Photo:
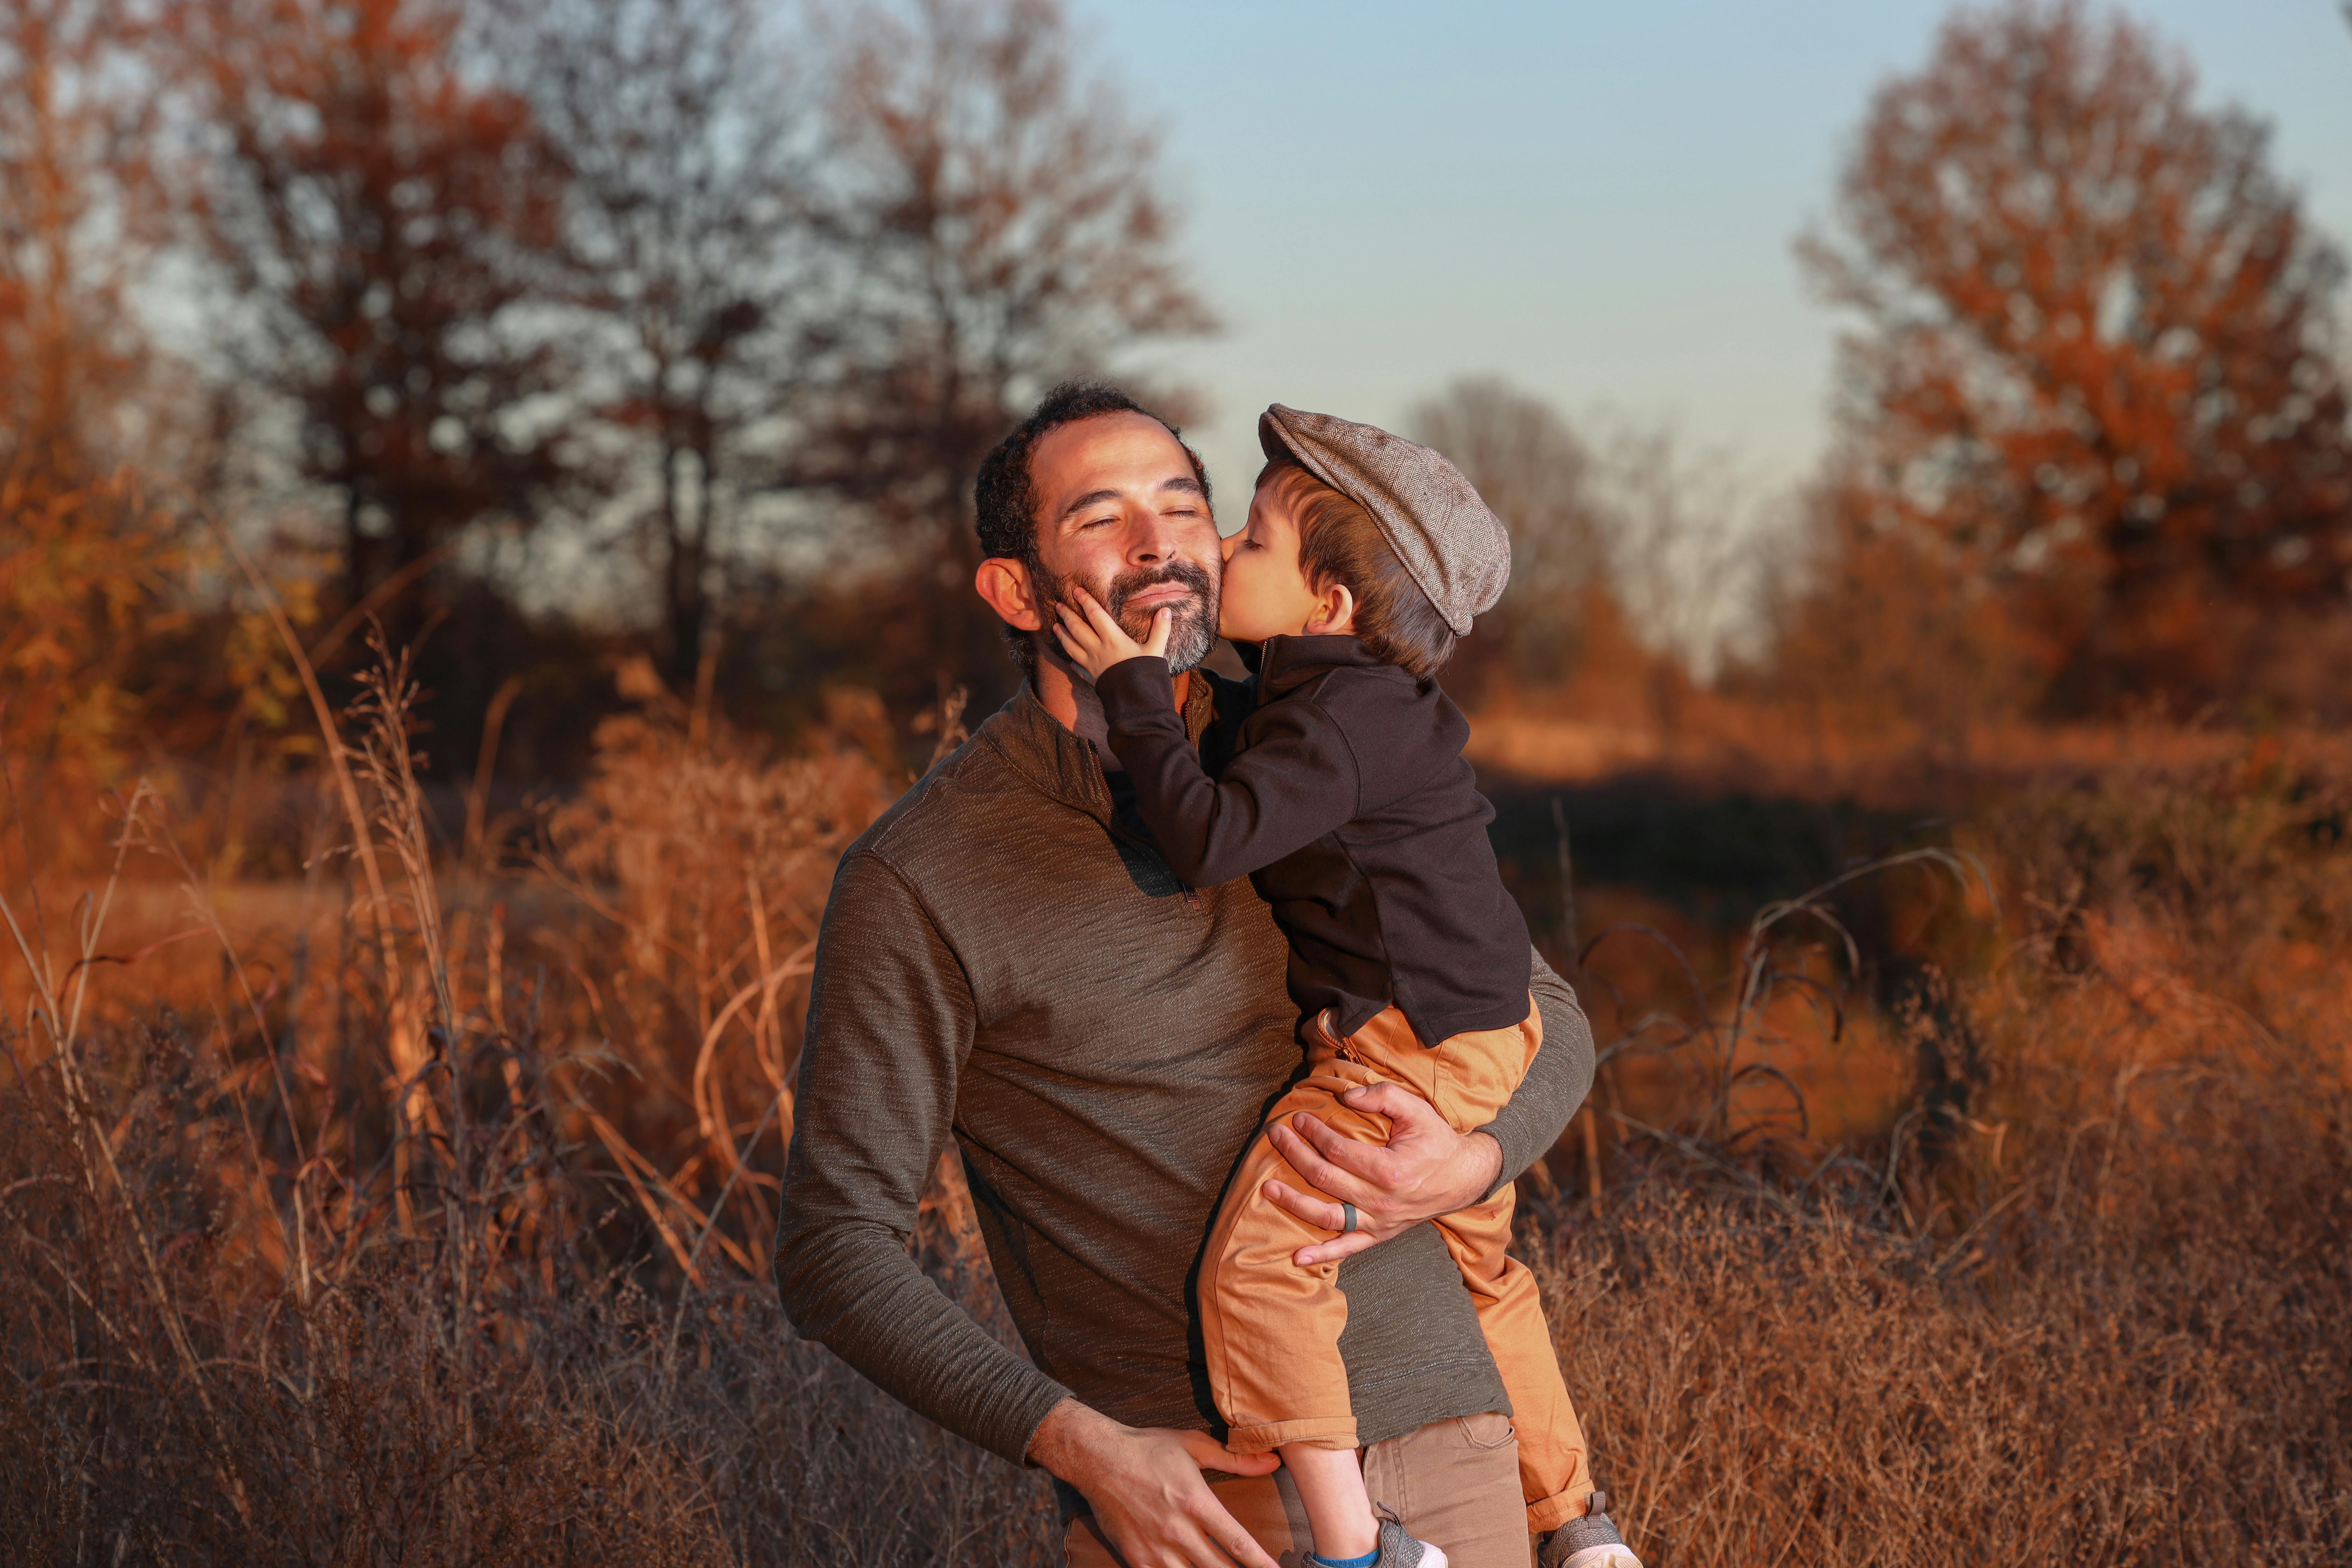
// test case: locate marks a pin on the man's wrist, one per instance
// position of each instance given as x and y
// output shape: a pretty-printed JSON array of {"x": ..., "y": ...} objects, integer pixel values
[
  {"x": 1065, "y": 1439},
  {"x": 1485, "y": 1156}
]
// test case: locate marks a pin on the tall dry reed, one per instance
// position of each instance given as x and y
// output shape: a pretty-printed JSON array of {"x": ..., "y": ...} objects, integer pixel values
[
  {"x": 434, "y": 1228},
  {"x": 2086, "y": 1301}
]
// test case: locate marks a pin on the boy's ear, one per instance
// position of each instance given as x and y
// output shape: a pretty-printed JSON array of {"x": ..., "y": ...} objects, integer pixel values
[
  {"x": 1335, "y": 612},
  {"x": 1004, "y": 584}
]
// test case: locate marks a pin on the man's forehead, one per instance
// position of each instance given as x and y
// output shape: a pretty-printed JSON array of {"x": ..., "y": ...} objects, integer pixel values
[{"x": 1120, "y": 451}]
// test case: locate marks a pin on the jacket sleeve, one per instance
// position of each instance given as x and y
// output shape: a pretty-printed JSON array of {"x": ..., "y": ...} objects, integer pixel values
[
  {"x": 1295, "y": 781},
  {"x": 1556, "y": 1083},
  {"x": 890, "y": 1025}
]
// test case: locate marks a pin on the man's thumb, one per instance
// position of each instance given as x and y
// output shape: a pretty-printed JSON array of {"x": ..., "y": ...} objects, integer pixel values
[{"x": 1398, "y": 1104}]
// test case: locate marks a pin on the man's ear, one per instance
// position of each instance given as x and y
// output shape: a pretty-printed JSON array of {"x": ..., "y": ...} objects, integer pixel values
[
  {"x": 1004, "y": 584},
  {"x": 1335, "y": 612}
]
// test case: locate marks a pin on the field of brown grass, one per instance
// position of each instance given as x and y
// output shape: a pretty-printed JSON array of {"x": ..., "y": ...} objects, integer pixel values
[{"x": 414, "y": 1204}]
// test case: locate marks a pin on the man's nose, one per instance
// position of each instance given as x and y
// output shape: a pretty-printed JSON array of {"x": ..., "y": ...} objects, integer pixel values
[{"x": 1152, "y": 541}]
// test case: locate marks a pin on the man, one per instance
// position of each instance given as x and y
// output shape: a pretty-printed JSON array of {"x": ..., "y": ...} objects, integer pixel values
[{"x": 1006, "y": 960}]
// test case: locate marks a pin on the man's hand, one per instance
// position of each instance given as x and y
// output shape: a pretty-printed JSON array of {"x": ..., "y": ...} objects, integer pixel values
[
  {"x": 1424, "y": 1170},
  {"x": 1095, "y": 642},
  {"x": 1146, "y": 1488}
]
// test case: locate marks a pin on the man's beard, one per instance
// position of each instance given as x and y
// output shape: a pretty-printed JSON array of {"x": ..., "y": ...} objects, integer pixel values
[{"x": 1192, "y": 623}]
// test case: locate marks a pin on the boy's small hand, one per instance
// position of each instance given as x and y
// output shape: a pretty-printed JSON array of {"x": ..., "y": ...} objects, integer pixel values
[{"x": 1095, "y": 642}]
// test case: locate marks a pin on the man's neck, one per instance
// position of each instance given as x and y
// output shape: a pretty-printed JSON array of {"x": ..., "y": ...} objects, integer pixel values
[{"x": 1068, "y": 697}]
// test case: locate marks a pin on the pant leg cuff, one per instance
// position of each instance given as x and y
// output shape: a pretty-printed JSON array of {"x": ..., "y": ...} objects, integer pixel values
[
  {"x": 1321, "y": 1432},
  {"x": 1557, "y": 1509}
]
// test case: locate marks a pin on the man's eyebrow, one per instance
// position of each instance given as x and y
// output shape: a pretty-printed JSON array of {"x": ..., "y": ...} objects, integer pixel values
[
  {"x": 1184, "y": 482},
  {"x": 1085, "y": 500}
]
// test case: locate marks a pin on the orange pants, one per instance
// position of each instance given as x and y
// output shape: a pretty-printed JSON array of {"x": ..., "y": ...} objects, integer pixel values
[{"x": 1271, "y": 1328}]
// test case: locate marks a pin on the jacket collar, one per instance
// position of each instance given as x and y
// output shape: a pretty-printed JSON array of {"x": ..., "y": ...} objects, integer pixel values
[
  {"x": 1284, "y": 663},
  {"x": 1059, "y": 765}
]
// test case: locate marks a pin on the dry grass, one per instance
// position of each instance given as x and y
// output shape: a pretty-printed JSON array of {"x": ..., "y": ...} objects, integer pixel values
[
  {"x": 2090, "y": 1303},
  {"x": 444, "y": 1238},
  {"x": 426, "y": 1220},
  {"x": 1746, "y": 743}
]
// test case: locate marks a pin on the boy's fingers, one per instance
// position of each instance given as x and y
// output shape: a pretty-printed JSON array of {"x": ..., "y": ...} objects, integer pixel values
[
  {"x": 1161, "y": 619},
  {"x": 1100, "y": 616}
]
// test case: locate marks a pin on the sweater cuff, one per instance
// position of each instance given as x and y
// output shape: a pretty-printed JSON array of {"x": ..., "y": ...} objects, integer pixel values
[
  {"x": 1510, "y": 1169},
  {"x": 1137, "y": 685}
]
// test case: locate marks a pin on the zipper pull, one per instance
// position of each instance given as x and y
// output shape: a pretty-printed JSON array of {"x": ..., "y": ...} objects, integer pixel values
[{"x": 1192, "y": 900}]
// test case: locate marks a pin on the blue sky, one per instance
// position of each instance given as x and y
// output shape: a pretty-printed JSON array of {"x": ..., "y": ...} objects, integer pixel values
[{"x": 1595, "y": 201}]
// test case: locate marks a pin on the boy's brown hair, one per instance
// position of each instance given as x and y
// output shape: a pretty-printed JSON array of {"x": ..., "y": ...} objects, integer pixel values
[{"x": 1340, "y": 542}]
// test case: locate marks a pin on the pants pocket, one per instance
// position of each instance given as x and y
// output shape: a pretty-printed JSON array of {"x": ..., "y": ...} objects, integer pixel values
[{"x": 1486, "y": 1431}]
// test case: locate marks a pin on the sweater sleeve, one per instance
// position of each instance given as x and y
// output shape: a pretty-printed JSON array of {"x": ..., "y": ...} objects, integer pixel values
[
  {"x": 890, "y": 1025},
  {"x": 1295, "y": 781},
  {"x": 1556, "y": 1082}
]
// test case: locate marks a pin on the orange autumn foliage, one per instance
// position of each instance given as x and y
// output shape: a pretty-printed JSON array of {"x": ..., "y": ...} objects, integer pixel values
[{"x": 2097, "y": 376}]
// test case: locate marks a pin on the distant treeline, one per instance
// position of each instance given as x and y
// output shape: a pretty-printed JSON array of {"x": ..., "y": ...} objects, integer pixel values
[{"x": 560, "y": 334}]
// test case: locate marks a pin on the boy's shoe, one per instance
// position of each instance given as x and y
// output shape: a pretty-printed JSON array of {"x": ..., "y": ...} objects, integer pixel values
[
  {"x": 1588, "y": 1542},
  {"x": 1399, "y": 1550}
]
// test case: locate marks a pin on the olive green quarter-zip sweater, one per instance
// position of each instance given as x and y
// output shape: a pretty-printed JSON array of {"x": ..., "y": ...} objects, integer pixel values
[{"x": 1006, "y": 961}]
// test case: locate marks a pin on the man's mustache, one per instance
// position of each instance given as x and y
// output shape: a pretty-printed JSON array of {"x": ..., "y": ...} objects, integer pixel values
[{"x": 1128, "y": 584}]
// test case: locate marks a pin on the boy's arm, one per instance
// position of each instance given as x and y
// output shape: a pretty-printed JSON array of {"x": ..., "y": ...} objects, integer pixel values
[
  {"x": 890, "y": 1025},
  {"x": 1295, "y": 782}
]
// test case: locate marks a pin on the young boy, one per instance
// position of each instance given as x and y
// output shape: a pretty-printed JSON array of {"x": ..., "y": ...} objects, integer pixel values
[{"x": 1349, "y": 805}]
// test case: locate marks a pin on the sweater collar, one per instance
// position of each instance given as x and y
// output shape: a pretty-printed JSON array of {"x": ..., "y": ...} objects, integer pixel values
[{"x": 1060, "y": 765}]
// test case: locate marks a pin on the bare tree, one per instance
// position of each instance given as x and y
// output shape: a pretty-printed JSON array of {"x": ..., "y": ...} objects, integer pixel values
[
  {"x": 2097, "y": 363},
  {"x": 1542, "y": 481},
  {"x": 685, "y": 247},
  {"x": 1684, "y": 549},
  {"x": 378, "y": 209},
  {"x": 1881, "y": 631},
  {"x": 78, "y": 226},
  {"x": 999, "y": 226},
  {"x": 88, "y": 562}
]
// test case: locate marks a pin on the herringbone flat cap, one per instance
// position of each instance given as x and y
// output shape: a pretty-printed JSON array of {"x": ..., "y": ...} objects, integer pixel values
[{"x": 1453, "y": 545}]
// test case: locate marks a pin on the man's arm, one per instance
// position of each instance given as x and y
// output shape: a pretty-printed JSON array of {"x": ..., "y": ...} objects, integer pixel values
[
  {"x": 1426, "y": 1169},
  {"x": 890, "y": 1023},
  {"x": 1556, "y": 1083}
]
